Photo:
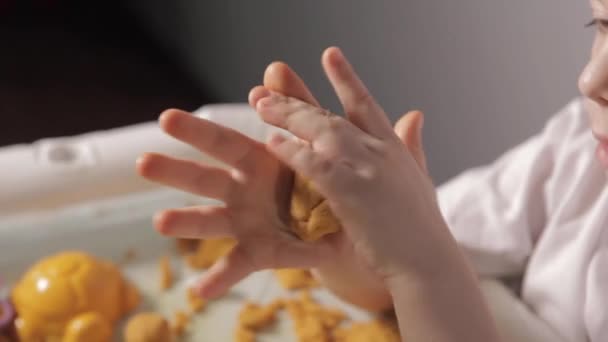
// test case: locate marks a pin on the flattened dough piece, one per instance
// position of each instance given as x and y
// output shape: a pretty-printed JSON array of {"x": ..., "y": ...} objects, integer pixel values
[
  {"x": 377, "y": 330},
  {"x": 147, "y": 327},
  {"x": 311, "y": 216}
]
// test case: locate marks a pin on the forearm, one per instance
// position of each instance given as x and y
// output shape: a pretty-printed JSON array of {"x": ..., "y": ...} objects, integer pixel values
[
  {"x": 355, "y": 284},
  {"x": 442, "y": 303}
]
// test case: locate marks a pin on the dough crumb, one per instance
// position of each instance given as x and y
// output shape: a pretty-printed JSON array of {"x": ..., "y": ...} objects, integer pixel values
[
  {"x": 295, "y": 278},
  {"x": 166, "y": 273},
  {"x": 195, "y": 302},
  {"x": 208, "y": 252},
  {"x": 311, "y": 216}
]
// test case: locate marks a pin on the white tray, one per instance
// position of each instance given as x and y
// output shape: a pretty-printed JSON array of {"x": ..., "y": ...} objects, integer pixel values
[
  {"x": 110, "y": 229},
  {"x": 58, "y": 172}
]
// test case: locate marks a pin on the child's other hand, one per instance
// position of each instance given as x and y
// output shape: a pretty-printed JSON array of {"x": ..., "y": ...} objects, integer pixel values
[
  {"x": 255, "y": 191},
  {"x": 386, "y": 204},
  {"x": 343, "y": 272},
  {"x": 371, "y": 181}
]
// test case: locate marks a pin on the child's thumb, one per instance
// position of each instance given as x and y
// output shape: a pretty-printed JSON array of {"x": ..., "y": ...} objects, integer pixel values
[{"x": 409, "y": 130}]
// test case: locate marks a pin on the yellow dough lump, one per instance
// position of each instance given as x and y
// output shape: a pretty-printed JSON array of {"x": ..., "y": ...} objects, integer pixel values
[
  {"x": 256, "y": 317},
  {"x": 209, "y": 251},
  {"x": 312, "y": 321},
  {"x": 71, "y": 297},
  {"x": 166, "y": 273},
  {"x": 244, "y": 335},
  {"x": 377, "y": 331},
  {"x": 180, "y": 322},
  {"x": 195, "y": 302},
  {"x": 311, "y": 216}
]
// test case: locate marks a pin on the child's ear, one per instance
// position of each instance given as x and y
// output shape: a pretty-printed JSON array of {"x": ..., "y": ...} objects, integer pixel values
[{"x": 409, "y": 130}]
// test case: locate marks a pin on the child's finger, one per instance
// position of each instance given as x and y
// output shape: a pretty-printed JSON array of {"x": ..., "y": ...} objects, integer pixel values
[
  {"x": 279, "y": 77},
  {"x": 195, "y": 222},
  {"x": 187, "y": 175},
  {"x": 225, "y": 273},
  {"x": 327, "y": 173},
  {"x": 358, "y": 103},
  {"x": 242, "y": 261},
  {"x": 301, "y": 119},
  {"x": 409, "y": 130},
  {"x": 311, "y": 124},
  {"x": 223, "y": 143}
]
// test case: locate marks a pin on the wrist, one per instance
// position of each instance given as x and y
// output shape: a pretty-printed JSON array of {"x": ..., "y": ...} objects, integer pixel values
[
  {"x": 449, "y": 275},
  {"x": 439, "y": 260},
  {"x": 429, "y": 306}
]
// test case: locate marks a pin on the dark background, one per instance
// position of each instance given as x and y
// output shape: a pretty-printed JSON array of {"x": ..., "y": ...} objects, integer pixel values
[
  {"x": 69, "y": 67},
  {"x": 487, "y": 74}
]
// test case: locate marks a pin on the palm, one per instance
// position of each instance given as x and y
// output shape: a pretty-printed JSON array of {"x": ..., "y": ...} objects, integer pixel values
[
  {"x": 259, "y": 207},
  {"x": 343, "y": 270}
]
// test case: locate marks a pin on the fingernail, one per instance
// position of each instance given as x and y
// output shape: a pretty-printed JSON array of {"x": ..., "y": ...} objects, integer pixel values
[
  {"x": 276, "y": 139},
  {"x": 208, "y": 292},
  {"x": 265, "y": 102},
  {"x": 197, "y": 291},
  {"x": 339, "y": 52},
  {"x": 157, "y": 221},
  {"x": 337, "y": 57},
  {"x": 140, "y": 165},
  {"x": 265, "y": 93},
  {"x": 139, "y": 160}
]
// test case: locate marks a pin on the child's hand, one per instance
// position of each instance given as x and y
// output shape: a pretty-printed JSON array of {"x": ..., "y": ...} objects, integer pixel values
[
  {"x": 256, "y": 194},
  {"x": 343, "y": 273},
  {"x": 386, "y": 204},
  {"x": 384, "y": 200}
]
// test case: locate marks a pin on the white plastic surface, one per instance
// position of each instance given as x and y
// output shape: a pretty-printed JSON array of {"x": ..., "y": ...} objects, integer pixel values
[
  {"x": 52, "y": 173},
  {"x": 110, "y": 229}
]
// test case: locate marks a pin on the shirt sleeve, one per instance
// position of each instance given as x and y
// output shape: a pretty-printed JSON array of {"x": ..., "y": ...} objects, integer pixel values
[{"x": 497, "y": 212}]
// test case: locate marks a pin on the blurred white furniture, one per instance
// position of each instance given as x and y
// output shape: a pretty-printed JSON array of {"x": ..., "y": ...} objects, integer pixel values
[{"x": 487, "y": 73}]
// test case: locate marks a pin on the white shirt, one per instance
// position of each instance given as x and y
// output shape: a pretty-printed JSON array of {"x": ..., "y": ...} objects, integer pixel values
[{"x": 541, "y": 210}]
